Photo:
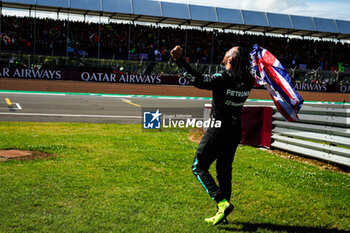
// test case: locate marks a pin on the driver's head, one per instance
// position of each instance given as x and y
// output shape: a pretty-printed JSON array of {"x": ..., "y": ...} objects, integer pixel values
[{"x": 236, "y": 59}]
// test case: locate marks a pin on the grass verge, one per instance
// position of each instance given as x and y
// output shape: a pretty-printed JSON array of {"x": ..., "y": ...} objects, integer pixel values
[{"x": 117, "y": 178}]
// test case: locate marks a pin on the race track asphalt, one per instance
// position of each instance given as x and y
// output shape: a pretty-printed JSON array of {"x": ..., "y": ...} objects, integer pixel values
[
  {"x": 96, "y": 108},
  {"x": 83, "y": 108}
]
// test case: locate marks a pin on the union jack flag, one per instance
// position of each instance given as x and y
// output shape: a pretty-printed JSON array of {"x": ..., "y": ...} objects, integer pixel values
[{"x": 270, "y": 72}]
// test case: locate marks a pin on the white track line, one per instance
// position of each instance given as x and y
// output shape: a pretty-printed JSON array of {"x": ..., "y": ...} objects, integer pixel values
[
  {"x": 167, "y": 98},
  {"x": 11, "y": 107},
  {"x": 67, "y": 115},
  {"x": 109, "y": 96}
]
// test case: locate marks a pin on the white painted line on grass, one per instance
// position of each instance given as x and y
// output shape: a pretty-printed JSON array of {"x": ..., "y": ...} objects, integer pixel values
[{"x": 67, "y": 115}]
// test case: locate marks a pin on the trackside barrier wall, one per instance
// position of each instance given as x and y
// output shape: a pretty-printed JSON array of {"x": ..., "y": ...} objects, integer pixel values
[{"x": 321, "y": 133}]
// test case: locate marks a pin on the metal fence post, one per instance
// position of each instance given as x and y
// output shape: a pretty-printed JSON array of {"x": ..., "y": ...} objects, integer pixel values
[
  {"x": 67, "y": 39},
  {"x": 129, "y": 42},
  {"x": 186, "y": 43},
  {"x": 99, "y": 41},
  {"x": 0, "y": 23},
  {"x": 34, "y": 37}
]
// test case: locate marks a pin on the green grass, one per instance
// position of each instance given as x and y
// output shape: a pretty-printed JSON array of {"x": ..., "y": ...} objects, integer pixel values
[{"x": 116, "y": 178}]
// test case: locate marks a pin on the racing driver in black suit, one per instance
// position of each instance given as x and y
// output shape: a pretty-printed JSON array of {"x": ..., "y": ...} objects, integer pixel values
[{"x": 230, "y": 89}]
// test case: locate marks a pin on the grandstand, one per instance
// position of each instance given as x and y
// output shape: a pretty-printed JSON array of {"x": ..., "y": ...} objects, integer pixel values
[{"x": 306, "y": 45}]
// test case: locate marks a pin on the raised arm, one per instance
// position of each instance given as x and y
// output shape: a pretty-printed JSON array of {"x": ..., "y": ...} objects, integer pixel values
[{"x": 199, "y": 80}]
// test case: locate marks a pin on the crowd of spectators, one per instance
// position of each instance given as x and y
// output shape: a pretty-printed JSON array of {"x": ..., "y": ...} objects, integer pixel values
[{"x": 132, "y": 41}]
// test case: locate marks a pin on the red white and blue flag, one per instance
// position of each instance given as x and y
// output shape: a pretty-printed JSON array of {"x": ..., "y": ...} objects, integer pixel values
[{"x": 271, "y": 73}]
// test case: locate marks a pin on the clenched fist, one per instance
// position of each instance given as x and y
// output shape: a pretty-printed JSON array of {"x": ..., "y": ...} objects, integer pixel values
[{"x": 176, "y": 53}]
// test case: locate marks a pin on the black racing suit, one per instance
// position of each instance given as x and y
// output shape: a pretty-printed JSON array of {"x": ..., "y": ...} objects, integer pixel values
[{"x": 230, "y": 91}]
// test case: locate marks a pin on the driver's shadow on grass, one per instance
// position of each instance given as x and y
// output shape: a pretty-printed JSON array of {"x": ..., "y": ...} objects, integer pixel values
[{"x": 253, "y": 227}]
